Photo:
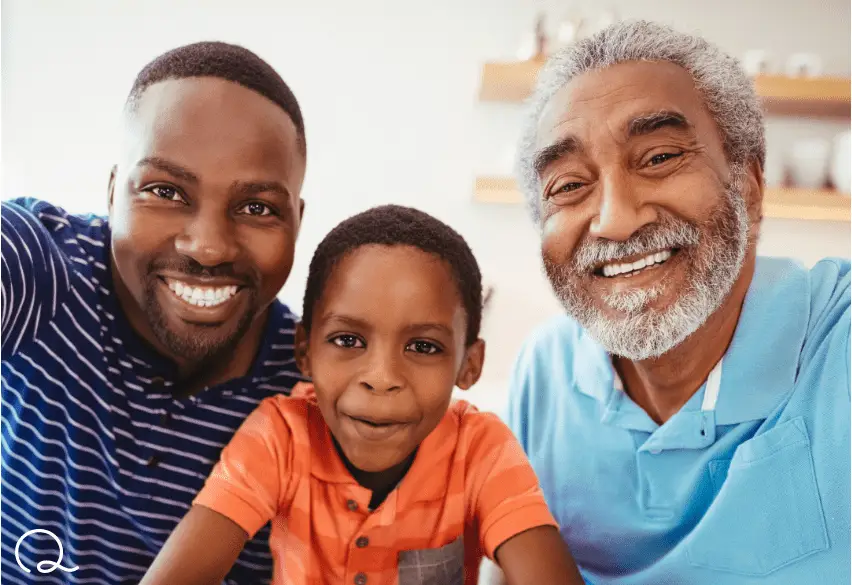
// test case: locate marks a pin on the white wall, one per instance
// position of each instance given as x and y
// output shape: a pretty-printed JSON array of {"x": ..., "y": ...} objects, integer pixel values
[{"x": 388, "y": 90}]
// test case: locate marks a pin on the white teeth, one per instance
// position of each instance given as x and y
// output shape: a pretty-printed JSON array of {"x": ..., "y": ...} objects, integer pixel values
[
  {"x": 614, "y": 269},
  {"x": 202, "y": 296}
]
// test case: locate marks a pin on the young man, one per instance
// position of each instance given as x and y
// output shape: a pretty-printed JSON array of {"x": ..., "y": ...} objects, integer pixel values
[{"x": 134, "y": 346}]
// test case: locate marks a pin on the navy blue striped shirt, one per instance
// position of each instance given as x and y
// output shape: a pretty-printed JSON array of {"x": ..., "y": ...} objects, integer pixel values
[{"x": 94, "y": 447}]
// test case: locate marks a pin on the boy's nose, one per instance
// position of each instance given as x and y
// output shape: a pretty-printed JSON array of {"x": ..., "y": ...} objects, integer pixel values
[{"x": 382, "y": 373}]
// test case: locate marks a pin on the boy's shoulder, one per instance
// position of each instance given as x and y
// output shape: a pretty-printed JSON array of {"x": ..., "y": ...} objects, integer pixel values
[{"x": 478, "y": 430}]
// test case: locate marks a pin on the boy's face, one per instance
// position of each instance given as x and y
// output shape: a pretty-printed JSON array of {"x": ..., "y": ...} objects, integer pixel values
[{"x": 386, "y": 348}]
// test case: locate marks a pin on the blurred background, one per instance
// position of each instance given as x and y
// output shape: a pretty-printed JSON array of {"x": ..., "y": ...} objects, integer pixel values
[{"x": 418, "y": 104}]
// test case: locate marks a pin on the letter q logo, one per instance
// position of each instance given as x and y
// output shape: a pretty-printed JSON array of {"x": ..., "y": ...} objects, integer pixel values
[{"x": 44, "y": 566}]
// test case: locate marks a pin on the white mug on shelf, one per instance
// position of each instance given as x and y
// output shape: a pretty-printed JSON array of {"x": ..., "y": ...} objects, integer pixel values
[
  {"x": 774, "y": 170},
  {"x": 808, "y": 163},
  {"x": 841, "y": 165},
  {"x": 757, "y": 62},
  {"x": 804, "y": 65}
]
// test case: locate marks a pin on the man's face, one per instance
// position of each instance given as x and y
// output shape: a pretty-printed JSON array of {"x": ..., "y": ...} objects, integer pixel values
[
  {"x": 644, "y": 224},
  {"x": 204, "y": 212}
]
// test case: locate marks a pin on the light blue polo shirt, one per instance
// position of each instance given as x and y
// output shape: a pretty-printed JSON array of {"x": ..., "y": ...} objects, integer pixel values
[{"x": 753, "y": 490}]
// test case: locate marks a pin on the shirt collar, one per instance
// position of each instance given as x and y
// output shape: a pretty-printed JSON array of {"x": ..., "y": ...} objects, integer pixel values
[{"x": 761, "y": 363}]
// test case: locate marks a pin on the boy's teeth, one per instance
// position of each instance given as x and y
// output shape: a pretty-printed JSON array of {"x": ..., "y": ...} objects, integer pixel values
[
  {"x": 202, "y": 296},
  {"x": 615, "y": 268}
]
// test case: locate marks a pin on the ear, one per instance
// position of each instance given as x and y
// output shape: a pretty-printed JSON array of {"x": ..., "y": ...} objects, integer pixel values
[
  {"x": 302, "y": 351},
  {"x": 301, "y": 210},
  {"x": 471, "y": 368},
  {"x": 111, "y": 187},
  {"x": 753, "y": 194}
]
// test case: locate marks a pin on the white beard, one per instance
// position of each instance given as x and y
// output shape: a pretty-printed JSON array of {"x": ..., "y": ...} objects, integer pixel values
[{"x": 715, "y": 253}]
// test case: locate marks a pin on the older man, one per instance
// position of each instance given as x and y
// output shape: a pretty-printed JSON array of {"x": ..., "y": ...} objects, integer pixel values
[
  {"x": 689, "y": 419},
  {"x": 135, "y": 345}
]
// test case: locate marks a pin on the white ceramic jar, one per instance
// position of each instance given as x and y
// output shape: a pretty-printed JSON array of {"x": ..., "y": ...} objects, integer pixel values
[{"x": 841, "y": 163}]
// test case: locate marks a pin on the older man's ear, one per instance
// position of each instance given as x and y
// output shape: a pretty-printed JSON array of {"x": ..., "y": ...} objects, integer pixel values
[{"x": 753, "y": 194}]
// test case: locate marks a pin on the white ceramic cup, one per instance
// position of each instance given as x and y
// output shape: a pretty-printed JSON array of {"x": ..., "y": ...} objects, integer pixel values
[
  {"x": 756, "y": 62},
  {"x": 804, "y": 65},
  {"x": 774, "y": 169},
  {"x": 841, "y": 163},
  {"x": 808, "y": 163}
]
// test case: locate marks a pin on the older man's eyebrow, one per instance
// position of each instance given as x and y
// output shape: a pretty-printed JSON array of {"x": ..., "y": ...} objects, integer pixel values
[
  {"x": 552, "y": 153},
  {"x": 648, "y": 123}
]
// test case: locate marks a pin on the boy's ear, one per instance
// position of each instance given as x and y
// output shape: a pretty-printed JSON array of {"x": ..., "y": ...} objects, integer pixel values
[
  {"x": 303, "y": 357},
  {"x": 471, "y": 368}
]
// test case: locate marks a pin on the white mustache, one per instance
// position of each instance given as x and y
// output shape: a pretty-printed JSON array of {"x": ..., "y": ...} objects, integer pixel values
[{"x": 670, "y": 233}]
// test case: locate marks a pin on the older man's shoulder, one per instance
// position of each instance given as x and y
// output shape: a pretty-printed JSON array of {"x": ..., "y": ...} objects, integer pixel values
[
  {"x": 830, "y": 278},
  {"x": 560, "y": 335},
  {"x": 830, "y": 298}
]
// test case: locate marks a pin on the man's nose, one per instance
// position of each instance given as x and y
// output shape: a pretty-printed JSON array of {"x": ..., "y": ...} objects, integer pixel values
[
  {"x": 209, "y": 238},
  {"x": 621, "y": 212},
  {"x": 383, "y": 371}
]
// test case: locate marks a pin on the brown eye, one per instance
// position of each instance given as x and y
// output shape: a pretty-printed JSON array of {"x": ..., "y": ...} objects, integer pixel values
[
  {"x": 347, "y": 341},
  {"x": 659, "y": 159},
  {"x": 423, "y": 347},
  {"x": 257, "y": 209},
  {"x": 165, "y": 192}
]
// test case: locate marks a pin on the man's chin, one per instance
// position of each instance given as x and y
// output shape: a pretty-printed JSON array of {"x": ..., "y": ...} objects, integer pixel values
[{"x": 196, "y": 344}]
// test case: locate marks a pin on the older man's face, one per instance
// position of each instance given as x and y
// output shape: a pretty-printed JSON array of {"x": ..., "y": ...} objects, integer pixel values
[{"x": 644, "y": 227}]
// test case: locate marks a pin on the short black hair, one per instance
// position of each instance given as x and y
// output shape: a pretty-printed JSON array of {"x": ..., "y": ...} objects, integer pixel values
[
  {"x": 395, "y": 225},
  {"x": 225, "y": 61}
]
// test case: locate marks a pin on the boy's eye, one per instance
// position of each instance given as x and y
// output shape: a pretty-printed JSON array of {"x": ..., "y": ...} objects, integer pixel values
[
  {"x": 423, "y": 347},
  {"x": 347, "y": 341}
]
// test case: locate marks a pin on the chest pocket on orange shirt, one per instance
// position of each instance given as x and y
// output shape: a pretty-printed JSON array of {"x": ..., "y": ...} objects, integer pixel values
[{"x": 433, "y": 566}]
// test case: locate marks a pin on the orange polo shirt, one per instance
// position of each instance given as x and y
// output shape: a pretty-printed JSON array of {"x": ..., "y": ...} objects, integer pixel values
[{"x": 469, "y": 489}]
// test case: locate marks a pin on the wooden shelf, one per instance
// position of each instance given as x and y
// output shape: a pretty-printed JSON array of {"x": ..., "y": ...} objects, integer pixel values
[
  {"x": 783, "y": 96},
  {"x": 778, "y": 203}
]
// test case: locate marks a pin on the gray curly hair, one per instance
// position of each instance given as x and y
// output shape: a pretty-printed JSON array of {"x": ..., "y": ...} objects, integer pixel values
[{"x": 727, "y": 91}]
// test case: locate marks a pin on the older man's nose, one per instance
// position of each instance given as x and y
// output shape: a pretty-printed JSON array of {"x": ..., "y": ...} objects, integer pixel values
[{"x": 620, "y": 211}]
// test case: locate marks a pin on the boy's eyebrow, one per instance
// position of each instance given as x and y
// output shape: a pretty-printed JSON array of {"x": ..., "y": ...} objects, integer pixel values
[
  {"x": 420, "y": 327},
  {"x": 363, "y": 324},
  {"x": 348, "y": 320}
]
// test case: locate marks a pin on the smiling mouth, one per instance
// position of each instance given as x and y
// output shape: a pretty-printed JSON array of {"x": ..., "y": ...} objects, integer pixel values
[
  {"x": 628, "y": 269},
  {"x": 201, "y": 296}
]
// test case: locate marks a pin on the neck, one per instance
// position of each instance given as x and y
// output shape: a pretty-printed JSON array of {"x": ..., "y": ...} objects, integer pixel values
[
  {"x": 195, "y": 377},
  {"x": 380, "y": 482},
  {"x": 662, "y": 385}
]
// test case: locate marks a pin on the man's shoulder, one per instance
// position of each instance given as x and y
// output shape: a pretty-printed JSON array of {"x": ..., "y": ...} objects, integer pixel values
[
  {"x": 830, "y": 283},
  {"x": 558, "y": 336},
  {"x": 53, "y": 217},
  {"x": 284, "y": 317}
]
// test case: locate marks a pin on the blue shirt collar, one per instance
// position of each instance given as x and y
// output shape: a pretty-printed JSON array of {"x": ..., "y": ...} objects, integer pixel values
[{"x": 761, "y": 363}]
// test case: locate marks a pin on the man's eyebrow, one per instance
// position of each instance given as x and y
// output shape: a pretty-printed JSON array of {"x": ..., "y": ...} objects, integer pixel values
[
  {"x": 647, "y": 123},
  {"x": 552, "y": 153},
  {"x": 248, "y": 188},
  {"x": 169, "y": 167}
]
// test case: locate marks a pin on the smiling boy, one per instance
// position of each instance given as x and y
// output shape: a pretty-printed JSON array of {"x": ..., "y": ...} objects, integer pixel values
[{"x": 376, "y": 476}]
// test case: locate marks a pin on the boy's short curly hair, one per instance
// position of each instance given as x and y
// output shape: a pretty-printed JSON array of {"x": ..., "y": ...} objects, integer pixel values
[{"x": 394, "y": 225}]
